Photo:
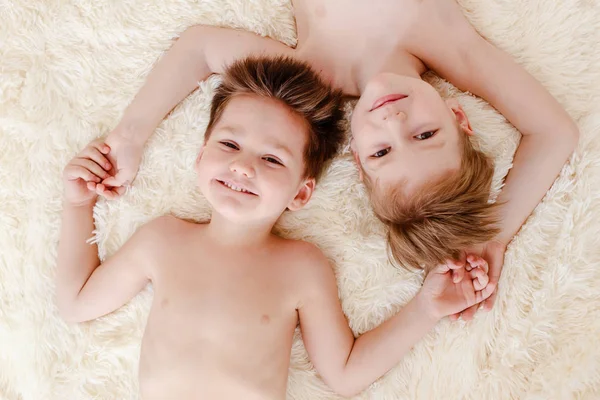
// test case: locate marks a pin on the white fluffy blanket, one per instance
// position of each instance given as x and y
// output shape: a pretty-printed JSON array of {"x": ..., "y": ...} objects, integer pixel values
[{"x": 70, "y": 67}]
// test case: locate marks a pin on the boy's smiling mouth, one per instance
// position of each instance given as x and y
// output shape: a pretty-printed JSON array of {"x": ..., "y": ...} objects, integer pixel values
[{"x": 236, "y": 188}]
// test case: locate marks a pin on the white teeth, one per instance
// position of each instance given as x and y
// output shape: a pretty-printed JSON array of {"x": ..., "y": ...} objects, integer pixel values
[{"x": 233, "y": 187}]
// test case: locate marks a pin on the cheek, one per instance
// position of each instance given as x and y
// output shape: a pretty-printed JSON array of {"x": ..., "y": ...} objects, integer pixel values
[
  {"x": 212, "y": 157},
  {"x": 279, "y": 183}
]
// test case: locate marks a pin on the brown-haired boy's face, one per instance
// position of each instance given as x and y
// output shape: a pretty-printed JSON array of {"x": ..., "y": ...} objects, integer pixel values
[
  {"x": 252, "y": 168},
  {"x": 403, "y": 131}
]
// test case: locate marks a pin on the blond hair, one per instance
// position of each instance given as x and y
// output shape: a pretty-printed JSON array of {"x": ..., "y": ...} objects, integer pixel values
[
  {"x": 295, "y": 85},
  {"x": 444, "y": 217}
]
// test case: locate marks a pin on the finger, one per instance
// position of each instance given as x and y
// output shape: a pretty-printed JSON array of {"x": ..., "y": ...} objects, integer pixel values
[
  {"x": 483, "y": 264},
  {"x": 480, "y": 278},
  {"x": 469, "y": 313},
  {"x": 100, "y": 189},
  {"x": 91, "y": 186},
  {"x": 109, "y": 194},
  {"x": 480, "y": 262},
  {"x": 100, "y": 146},
  {"x": 468, "y": 262},
  {"x": 96, "y": 155},
  {"x": 104, "y": 192},
  {"x": 92, "y": 166},
  {"x": 119, "y": 179},
  {"x": 74, "y": 172},
  {"x": 485, "y": 293},
  {"x": 440, "y": 269},
  {"x": 489, "y": 302},
  {"x": 121, "y": 190},
  {"x": 456, "y": 264},
  {"x": 458, "y": 275}
]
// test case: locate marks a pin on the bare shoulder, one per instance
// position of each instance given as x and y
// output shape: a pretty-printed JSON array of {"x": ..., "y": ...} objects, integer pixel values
[
  {"x": 162, "y": 227},
  {"x": 310, "y": 269},
  {"x": 158, "y": 237},
  {"x": 440, "y": 13},
  {"x": 439, "y": 22},
  {"x": 301, "y": 252}
]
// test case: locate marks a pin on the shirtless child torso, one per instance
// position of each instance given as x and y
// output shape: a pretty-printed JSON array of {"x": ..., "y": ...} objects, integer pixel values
[{"x": 223, "y": 317}]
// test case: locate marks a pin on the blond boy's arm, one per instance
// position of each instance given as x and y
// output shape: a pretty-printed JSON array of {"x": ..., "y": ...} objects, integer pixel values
[
  {"x": 85, "y": 288},
  {"x": 199, "y": 52},
  {"x": 451, "y": 47}
]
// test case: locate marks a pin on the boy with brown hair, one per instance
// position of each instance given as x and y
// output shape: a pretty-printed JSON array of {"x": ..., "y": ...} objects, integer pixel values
[
  {"x": 406, "y": 137},
  {"x": 228, "y": 294}
]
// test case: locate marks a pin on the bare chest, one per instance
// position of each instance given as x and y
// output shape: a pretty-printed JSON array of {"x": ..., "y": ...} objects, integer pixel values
[
  {"x": 236, "y": 296},
  {"x": 347, "y": 40}
]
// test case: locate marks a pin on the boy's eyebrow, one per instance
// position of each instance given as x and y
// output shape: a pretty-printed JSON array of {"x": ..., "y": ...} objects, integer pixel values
[
  {"x": 281, "y": 147},
  {"x": 233, "y": 129}
]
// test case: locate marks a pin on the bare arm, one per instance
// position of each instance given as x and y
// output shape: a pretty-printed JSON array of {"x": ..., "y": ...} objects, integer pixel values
[
  {"x": 349, "y": 365},
  {"x": 451, "y": 47},
  {"x": 85, "y": 288},
  {"x": 199, "y": 52}
]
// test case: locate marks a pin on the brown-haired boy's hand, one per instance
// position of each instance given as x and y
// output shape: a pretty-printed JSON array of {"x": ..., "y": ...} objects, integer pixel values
[
  {"x": 493, "y": 252},
  {"x": 450, "y": 288},
  {"x": 83, "y": 174}
]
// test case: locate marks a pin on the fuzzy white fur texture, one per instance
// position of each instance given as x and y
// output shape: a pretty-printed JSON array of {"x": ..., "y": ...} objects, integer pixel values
[{"x": 68, "y": 69}]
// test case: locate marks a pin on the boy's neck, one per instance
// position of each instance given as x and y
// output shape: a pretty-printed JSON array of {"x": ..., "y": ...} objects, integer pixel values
[{"x": 228, "y": 233}]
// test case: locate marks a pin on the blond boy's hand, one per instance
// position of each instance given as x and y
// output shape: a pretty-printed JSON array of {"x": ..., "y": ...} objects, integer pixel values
[
  {"x": 492, "y": 251},
  {"x": 125, "y": 155},
  {"x": 84, "y": 172},
  {"x": 450, "y": 288}
]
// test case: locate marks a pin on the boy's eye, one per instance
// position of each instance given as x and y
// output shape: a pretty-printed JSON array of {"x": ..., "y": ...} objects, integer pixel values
[
  {"x": 381, "y": 153},
  {"x": 230, "y": 145},
  {"x": 272, "y": 160},
  {"x": 425, "y": 135}
]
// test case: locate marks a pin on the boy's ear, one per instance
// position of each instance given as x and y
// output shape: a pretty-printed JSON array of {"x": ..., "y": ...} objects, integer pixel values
[
  {"x": 303, "y": 195},
  {"x": 356, "y": 159},
  {"x": 461, "y": 117}
]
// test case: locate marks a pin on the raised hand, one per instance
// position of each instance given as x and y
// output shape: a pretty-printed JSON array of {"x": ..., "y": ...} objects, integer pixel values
[
  {"x": 125, "y": 156},
  {"x": 450, "y": 288},
  {"x": 493, "y": 252},
  {"x": 84, "y": 172}
]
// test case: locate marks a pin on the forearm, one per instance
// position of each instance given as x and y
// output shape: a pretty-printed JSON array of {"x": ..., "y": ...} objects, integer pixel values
[
  {"x": 77, "y": 259},
  {"x": 536, "y": 164},
  {"x": 377, "y": 351},
  {"x": 173, "y": 78}
]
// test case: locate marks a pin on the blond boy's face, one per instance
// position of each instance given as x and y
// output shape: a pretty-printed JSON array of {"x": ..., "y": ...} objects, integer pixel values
[
  {"x": 251, "y": 168},
  {"x": 404, "y": 132}
]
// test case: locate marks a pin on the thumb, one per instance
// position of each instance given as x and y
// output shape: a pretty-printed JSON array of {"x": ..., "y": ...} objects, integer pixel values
[
  {"x": 441, "y": 269},
  {"x": 120, "y": 179}
]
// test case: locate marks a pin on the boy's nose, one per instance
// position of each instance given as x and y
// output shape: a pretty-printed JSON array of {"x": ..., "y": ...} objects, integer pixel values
[
  {"x": 394, "y": 115},
  {"x": 242, "y": 167}
]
